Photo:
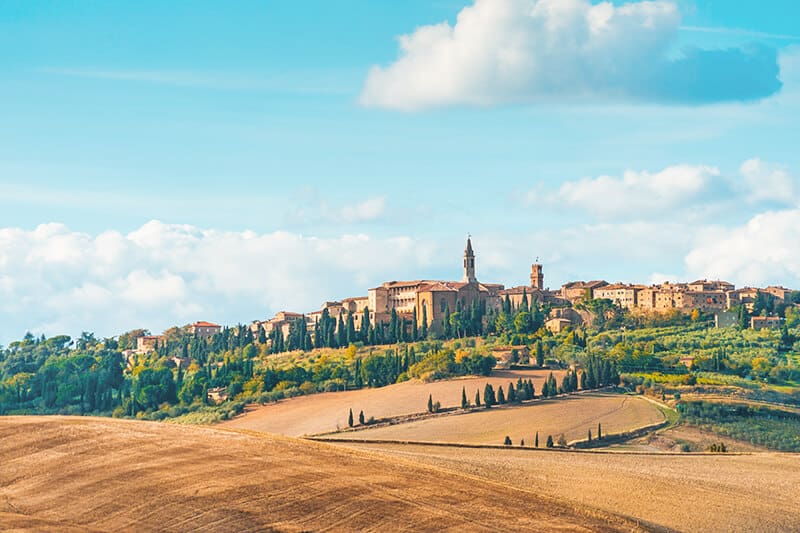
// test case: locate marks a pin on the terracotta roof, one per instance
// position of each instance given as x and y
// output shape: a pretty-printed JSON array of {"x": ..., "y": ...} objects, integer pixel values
[{"x": 203, "y": 324}]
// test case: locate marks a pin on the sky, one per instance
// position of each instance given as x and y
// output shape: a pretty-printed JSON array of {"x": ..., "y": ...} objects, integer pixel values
[{"x": 166, "y": 162}]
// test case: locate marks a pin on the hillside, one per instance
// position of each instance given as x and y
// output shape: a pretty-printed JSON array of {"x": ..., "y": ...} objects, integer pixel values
[
  {"x": 64, "y": 474},
  {"x": 700, "y": 493},
  {"x": 573, "y": 416},
  {"x": 318, "y": 413}
]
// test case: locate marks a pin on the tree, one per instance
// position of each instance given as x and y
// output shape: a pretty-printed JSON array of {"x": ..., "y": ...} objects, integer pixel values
[
  {"x": 539, "y": 354},
  {"x": 562, "y": 441},
  {"x": 599, "y": 432},
  {"x": 507, "y": 441},
  {"x": 361, "y": 418},
  {"x": 350, "y": 418},
  {"x": 477, "y": 398},
  {"x": 549, "y": 441},
  {"x": 488, "y": 396},
  {"x": 536, "y": 440},
  {"x": 501, "y": 397},
  {"x": 589, "y": 439},
  {"x": 464, "y": 402},
  {"x": 430, "y": 403},
  {"x": 512, "y": 394},
  {"x": 522, "y": 442}
]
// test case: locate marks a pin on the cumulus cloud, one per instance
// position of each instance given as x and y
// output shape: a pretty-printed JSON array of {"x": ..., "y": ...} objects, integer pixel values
[
  {"x": 769, "y": 182},
  {"x": 506, "y": 51},
  {"x": 763, "y": 251},
  {"x": 635, "y": 194},
  {"x": 55, "y": 280}
]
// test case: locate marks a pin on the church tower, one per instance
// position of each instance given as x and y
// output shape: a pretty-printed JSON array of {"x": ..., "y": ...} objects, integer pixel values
[
  {"x": 469, "y": 264},
  {"x": 537, "y": 276}
]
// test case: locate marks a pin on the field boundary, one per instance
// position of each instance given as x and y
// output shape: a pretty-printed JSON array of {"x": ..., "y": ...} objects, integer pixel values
[{"x": 518, "y": 448}]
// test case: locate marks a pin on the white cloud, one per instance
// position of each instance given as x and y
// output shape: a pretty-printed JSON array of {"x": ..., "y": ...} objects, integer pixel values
[
  {"x": 505, "y": 51},
  {"x": 769, "y": 182},
  {"x": 55, "y": 280},
  {"x": 763, "y": 251},
  {"x": 636, "y": 194},
  {"x": 367, "y": 210}
]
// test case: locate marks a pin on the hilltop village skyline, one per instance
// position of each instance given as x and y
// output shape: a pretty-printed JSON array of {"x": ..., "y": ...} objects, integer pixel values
[{"x": 427, "y": 305}]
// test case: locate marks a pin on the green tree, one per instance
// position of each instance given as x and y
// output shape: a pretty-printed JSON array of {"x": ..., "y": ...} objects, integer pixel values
[
  {"x": 549, "y": 441},
  {"x": 488, "y": 396},
  {"x": 507, "y": 441},
  {"x": 536, "y": 440},
  {"x": 361, "y": 418},
  {"x": 539, "y": 354},
  {"x": 350, "y": 418},
  {"x": 589, "y": 437},
  {"x": 501, "y": 397},
  {"x": 464, "y": 402},
  {"x": 477, "y": 398},
  {"x": 430, "y": 403},
  {"x": 599, "y": 432}
]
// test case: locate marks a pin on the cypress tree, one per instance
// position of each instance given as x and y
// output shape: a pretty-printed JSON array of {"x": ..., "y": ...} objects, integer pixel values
[
  {"x": 350, "y": 418},
  {"x": 589, "y": 439},
  {"x": 477, "y": 398},
  {"x": 501, "y": 397},
  {"x": 599, "y": 432},
  {"x": 536, "y": 440},
  {"x": 512, "y": 394},
  {"x": 424, "y": 330},
  {"x": 430, "y": 403},
  {"x": 414, "y": 330},
  {"x": 583, "y": 380},
  {"x": 522, "y": 442},
  {"x": 488, "y": 396},
  {"x": 507, "y": 441},
  {"x": 549, "y": 441},
  {"x": 361, "y": 418},
  {"x": 464, "y": 402},
  {"x": 539, "y": 354}
]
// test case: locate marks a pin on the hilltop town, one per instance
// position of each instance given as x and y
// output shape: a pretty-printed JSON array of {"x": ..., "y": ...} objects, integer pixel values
[{"x": 419, "y": 309}]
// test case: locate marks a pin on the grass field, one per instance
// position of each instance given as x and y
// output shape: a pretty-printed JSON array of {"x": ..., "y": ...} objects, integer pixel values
[
  {"x": 319, "y": 413},
  {"x": 572, "y": 415},
  {"x": 85, "y": 474},
  {"x": 701, "y": 493}
]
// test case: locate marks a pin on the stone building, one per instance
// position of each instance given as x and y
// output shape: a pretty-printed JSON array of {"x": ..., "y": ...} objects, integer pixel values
[
  {"x": 577, "y": 290},
  {"x": 432, "y": 299},
  {"x": 204, "y": 329}
]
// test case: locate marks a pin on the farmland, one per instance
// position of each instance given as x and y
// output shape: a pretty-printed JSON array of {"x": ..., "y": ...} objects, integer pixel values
[
  {"x": 325, "y": 412},
  {"x": 687, "y": 492},
  {"x": 572, "y": 416},
  {"x": 81, "y": 474}
]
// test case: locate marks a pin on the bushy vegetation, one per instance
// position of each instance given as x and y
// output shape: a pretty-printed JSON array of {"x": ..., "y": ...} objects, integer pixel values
[{"x": 762, "y": 426}]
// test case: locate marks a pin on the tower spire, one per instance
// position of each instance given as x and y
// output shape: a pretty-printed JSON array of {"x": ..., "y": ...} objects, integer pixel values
[{"x": 469, "y": 263}]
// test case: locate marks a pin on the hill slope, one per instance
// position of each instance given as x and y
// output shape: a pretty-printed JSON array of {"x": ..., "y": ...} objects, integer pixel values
[
  {"x": 573, "y": 416},
  {"x": 750, "y": 492},
  {"x": 319, "y": 413},
  {"x": 61, "y": 473}
]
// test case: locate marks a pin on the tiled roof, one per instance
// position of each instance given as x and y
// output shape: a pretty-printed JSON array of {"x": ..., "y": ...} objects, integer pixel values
[{"x": 202, "y": 324}]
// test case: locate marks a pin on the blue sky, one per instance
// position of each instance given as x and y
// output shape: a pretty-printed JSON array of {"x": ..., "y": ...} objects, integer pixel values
[{"x": 305, "y": 120}]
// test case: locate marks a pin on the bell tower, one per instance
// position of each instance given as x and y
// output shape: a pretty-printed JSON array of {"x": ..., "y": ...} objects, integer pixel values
[
  {"x": 537, "y": 276},
  {"x": 469, "y": 264}
]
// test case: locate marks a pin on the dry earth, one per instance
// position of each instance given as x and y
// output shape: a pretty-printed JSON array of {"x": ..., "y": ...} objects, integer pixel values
[
  {"x": 320, "y": 413},
  {"x": 66, "y": 474},
  {"x": 572, "y": 415},
  {"x": 753, "y": 492}
]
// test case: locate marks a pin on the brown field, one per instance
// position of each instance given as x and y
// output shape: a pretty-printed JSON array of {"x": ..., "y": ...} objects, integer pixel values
[
  {"x": 754, "y": 492},
  {"x": 320, "y": 413},
  {"x": 85, "y": 474},
  {"x": 572, "y": 415}
]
